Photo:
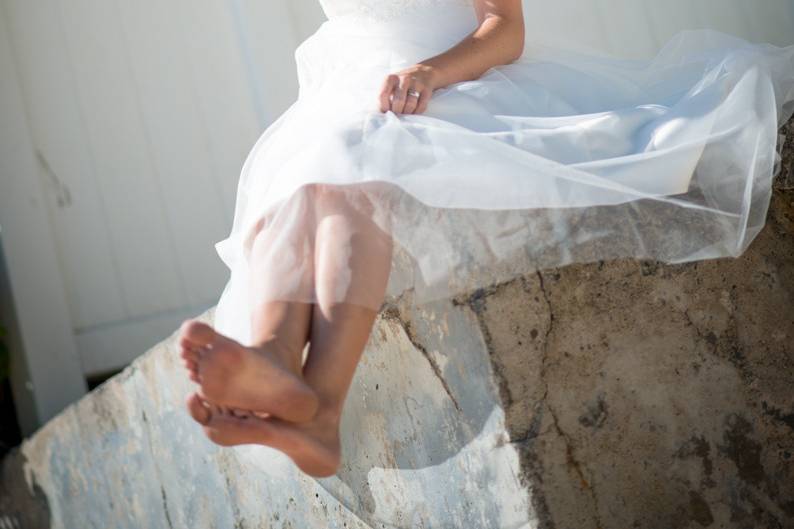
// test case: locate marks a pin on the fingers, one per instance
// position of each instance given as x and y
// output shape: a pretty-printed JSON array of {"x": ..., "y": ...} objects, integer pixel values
[
  {"x": 399, "y": 95},
  {"x": 395, "y": 94},
  {"x": 389, "y": 84},
  {"x": 412, "y": 102},
  {"x": 424, "y": 98}
]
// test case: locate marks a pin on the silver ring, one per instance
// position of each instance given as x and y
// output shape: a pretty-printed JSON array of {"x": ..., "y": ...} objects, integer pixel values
[{"x": 415, "y": 93}]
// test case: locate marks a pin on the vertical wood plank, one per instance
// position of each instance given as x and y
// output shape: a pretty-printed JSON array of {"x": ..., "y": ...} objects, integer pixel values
[
  {"x": 142, "y": 236},
  {"x": 77, "y": 209},
  {"x": 771, "y": 21},
  {"x": 178, "y": 140},
  {"x": 668, "y": 18},
  {"x": 720, "y": 15},
  {"x": 638, "y": 28},
  {"x": 270, "y": 38},
  {"x": 305, "y": 16},
  {"x": 569, "y": 23},
  {"x": 225, "y": 99},
  {"x": 629, "y": 31},
  {"x": 51, "y": 359}
]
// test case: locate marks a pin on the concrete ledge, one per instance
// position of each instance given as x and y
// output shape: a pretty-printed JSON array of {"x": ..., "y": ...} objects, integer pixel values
[
  {"x": 425, "y": 441},
  {"x": 612, "y": 395}
]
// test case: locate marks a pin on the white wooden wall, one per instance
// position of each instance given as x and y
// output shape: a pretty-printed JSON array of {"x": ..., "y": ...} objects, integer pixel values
[
  {"x": 46, "y": 367},
  {"x": 141, "y": 114},
  {"x": 638, "y": 28},
  {"x": 133, "y": 118}
]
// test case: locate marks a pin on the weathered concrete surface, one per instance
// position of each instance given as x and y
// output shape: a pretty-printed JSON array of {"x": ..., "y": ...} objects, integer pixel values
[
  {"x": 611, "y": 395},
  {"x": 785, "y": 180},
  {"x": 425, "y": 446},
  {"x": 654, "y": 396}
]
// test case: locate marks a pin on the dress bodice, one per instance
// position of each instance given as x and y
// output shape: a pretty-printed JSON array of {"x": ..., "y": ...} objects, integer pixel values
[{"x": 383, "y": 9}]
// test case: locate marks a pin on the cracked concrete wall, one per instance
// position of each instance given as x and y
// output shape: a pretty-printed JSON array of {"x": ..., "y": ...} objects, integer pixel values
[
  {"x": 654, "y": 396},
  {"x": 612, "y": 395}
]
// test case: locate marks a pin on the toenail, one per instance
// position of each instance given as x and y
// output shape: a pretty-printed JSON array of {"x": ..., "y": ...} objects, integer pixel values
[{"x": 186, "y": 325}]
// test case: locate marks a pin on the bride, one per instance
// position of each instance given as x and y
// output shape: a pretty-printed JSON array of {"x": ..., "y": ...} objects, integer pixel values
[{"x": 427, "y": 155}]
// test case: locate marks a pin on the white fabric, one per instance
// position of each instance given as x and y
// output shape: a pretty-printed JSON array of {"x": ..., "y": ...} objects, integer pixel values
[
  {"x": 554, "y": 159},
  {"x": 383, "y": 9}
]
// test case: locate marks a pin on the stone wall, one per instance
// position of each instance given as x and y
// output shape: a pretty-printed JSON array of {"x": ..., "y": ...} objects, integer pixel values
[{"x": 612, "y": 395}]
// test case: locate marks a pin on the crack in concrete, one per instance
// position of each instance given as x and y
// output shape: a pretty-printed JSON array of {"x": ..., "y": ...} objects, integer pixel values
[
  {"x": 165, "y": 507},
  {"x": 551, "y": 317},
  {"x": 570, "y": 458},
  {"x": 713, "y": 342},
  {"x": 225, "y": 462},
  {"x": 163, "y": 495},
  {"x": 393, "y": 313},
  {"x": 570, "y": 455},
  {"x": 729, "y": 345},
  {"x": 549, "y": 328},
  {"x": 476, "y": 302},
  {"x": 534, "y": 430},
  {"x": 569, "y": 452}
]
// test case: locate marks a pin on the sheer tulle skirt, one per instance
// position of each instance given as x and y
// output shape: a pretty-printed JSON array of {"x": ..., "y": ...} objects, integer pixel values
[{"x": 554, "y": 159}]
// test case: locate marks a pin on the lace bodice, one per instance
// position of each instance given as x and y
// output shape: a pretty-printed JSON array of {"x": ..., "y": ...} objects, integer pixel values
[{"x": 383, "y": 9}]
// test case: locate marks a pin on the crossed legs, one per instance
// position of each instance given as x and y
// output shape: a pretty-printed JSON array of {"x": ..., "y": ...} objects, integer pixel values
[{"x": 265, "y": 393}]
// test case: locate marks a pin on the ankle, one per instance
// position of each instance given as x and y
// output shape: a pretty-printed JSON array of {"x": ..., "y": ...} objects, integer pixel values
[
  {"x": 288, "y": 356},
  {"x": 328, "y": 411}
]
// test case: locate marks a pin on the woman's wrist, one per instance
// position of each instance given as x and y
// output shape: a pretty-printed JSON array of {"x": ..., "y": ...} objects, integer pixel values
[
  {"x": 497, "y": 41},
  {"x": 431, "y": 73},
  {"x": 435, "y": 72}
]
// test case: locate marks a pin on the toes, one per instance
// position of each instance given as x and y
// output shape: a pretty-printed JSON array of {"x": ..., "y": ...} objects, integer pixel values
[
  {"x": 187, "y": 350},
  {"x": 241, "y": 414},
  {"x": 231, "y": 427},
  {"x": 198, "y": 409},
  {"x": 227, "y": 429},
  {"x": 196, "y": 334},
  {"x": 192, "y": 369}
]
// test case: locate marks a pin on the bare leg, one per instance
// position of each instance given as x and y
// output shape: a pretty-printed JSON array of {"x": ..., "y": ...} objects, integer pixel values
[
  {"x": 265, "y": 377},
  {"x": 351, "y": 254}
]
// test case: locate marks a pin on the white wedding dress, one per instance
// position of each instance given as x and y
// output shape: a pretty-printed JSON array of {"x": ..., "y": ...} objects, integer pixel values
[{"x": 554, "y": 159}]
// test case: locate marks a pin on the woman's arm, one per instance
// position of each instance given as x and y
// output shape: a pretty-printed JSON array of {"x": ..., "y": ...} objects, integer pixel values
[{"x": 499, "y": 39}]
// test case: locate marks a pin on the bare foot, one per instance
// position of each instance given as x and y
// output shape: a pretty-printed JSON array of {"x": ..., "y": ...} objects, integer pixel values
[
  {"x": 313, "y": 445},
  {"x": 250, "y": 378}
]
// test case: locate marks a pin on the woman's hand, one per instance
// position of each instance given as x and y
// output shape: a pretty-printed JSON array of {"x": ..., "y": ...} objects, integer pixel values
[
  {"x": 408, "y": 91},
  {"x": 497, "y": 40}
]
